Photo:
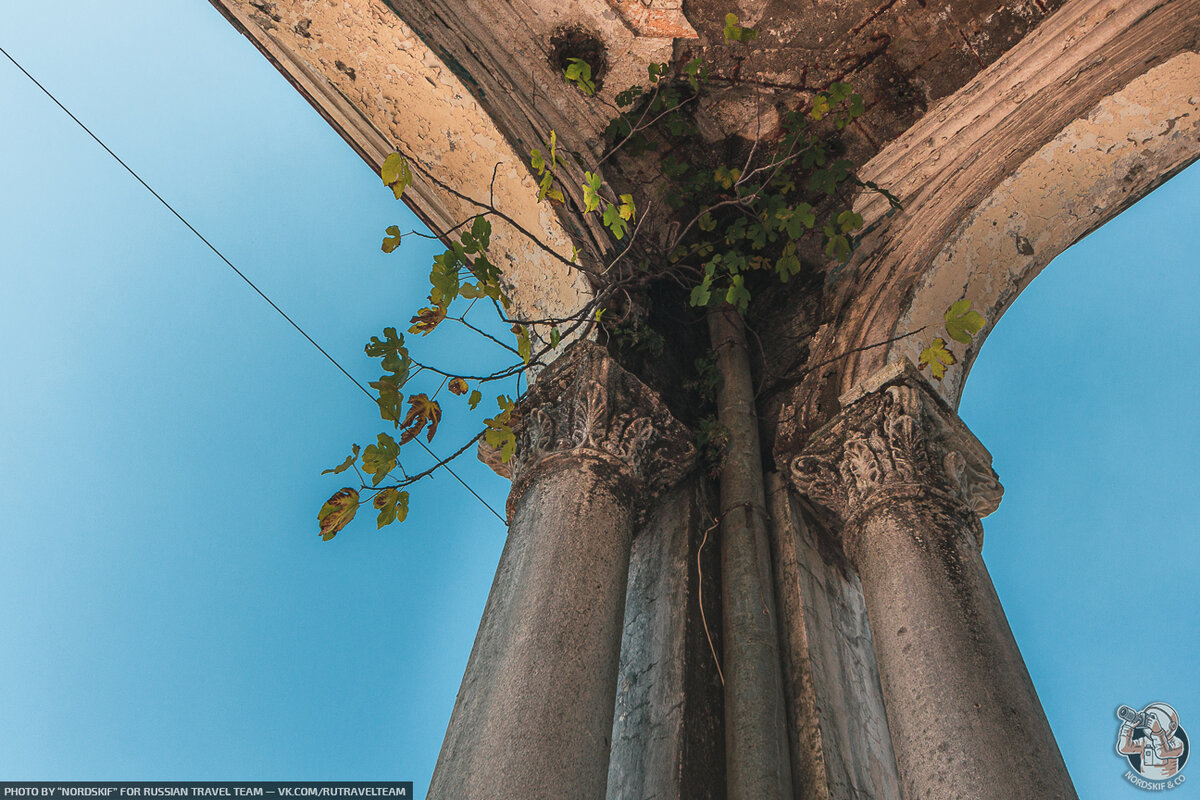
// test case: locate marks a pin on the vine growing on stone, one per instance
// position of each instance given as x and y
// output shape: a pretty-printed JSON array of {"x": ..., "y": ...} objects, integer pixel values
[{"x": 733, "y": 226}]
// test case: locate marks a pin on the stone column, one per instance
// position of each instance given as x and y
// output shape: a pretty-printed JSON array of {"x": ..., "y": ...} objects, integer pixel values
[
  {"x": 535, "y": 711},
  {"x": 905, "y": 481}
]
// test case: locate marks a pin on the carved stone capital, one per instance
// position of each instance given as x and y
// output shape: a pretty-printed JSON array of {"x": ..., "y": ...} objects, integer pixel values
[
  {"x": 586, "y": 407},
  {"x": 895, "y": 440}
]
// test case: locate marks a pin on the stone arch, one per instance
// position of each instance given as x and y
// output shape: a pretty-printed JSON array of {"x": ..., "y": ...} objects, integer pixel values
[
  {"x": 1132, "y": 141},
  {"x": 1037, "y": 151}
]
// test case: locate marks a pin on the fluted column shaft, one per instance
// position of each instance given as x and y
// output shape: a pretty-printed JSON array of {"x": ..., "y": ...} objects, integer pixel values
[
  {"x": 535, "y": 711},
  {"x": 906, "y": 483}
]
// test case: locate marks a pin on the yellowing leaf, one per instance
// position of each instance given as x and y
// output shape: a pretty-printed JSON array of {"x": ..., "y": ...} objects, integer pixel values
[
  {"x": 421, "y": 412},
  {"x": 937, "y": 358},
  {"x": 393, "y": 238},
  {"x": 337, "y": 512},
  {"x": 736, "y": 33},
  {"x": 591, "y": 191},
  {"x": 392, "y": 505},
  {"x": 962, "y": 323},
  {"x": 627, "y": 209},
  {"x": 458, "y": 386},
  {"x": 396, "y": 173},
  {"x": 345, "y": 465},
  {"x": 427, "y": 319},
  {"x": 380, "y": 459}
]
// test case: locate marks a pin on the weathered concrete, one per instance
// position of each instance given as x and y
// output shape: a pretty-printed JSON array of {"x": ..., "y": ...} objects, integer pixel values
[
  {"x": 906, "y": 482},
  {"x": 667, "y": 743},
  {"x": 535, "y": 710},
  {"x": 838, "y": 730},
  {"x": 535, "y": 707}
]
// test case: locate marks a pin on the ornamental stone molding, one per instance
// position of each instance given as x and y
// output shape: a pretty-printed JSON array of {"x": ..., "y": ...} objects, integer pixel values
[
  {"x": 896, "y": 438},
  {"x": 585, "y": 406}
]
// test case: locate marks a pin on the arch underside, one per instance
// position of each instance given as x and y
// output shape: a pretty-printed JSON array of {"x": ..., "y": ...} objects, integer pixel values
[
  {"x": 1131, "y": 142},
  {"x": 1088, "y": 114},
  {"x": 1032, "y": 138}
]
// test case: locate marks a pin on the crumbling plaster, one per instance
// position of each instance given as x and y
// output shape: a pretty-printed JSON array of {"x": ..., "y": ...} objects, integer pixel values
[
  {"x": 1009, "y": 138},
  {"x": 380, "y": 85},
  {"x": 1125, "y": 147}
]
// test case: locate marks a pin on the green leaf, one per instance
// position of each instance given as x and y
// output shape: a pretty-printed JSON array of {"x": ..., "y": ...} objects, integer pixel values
[
  {"x": 380, "y": 459},
  {"x": 937, "y": 358},
  {"x": 345, "y": 465},
  {"x": 615, "y": 222},
  {"x": 696, "y": 72},
  {"x": 579, "y": 72},
  {"x": 393, "y": 238},
  {"x": 627, "y": 210},
  {"x": 555, "y": 337},
  {"x": 626, "y": 98},
  {"x": 392, "y": 165},
  {"x": 820, "y": 106},
  {"x": 788, "y": 264},
  {"x": 545, "y": 186},
  {"x": 393, "y": 506},
  {"x": 337, "y": 512},
  {"x": 737, "y": 295},
  {"x": 799, "y": 220},
  {"x": 736, "y": 33},
  {"x": 727, "y": 176},
  {"x": 591, "y": 191},
  {"x": 849, "y": 221},
  {"x": 396, "y": 173},
  {"x": 524, "y": 348},
  {"x": 481, "y": 230},
  {"x": 393, "y": 354},
  {"x": 474, "y": 399},
  {"x": 499, "y": 432},
  {"x": 962, "y": 323},
  {"x": 837, "y": 246},
  {"x": 390, "y": 400}
]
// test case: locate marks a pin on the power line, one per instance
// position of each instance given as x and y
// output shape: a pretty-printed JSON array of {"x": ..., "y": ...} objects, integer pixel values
[{"x": 240, "y": 274}]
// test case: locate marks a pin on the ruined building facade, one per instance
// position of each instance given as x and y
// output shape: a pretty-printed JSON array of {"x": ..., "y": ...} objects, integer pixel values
[{"x": 1009, "y": 129}]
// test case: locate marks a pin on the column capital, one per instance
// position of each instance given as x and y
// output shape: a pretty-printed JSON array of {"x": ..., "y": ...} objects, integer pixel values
[
  {"x": 895, "y": 438},
  {"x": 585, "y": 406}
]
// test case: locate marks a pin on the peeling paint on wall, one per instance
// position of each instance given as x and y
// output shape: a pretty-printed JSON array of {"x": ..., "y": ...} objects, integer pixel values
[{"x": 421, "y": 107}]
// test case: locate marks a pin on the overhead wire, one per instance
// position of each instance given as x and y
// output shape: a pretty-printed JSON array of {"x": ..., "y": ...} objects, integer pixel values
[{"x": 240, "y": 274}]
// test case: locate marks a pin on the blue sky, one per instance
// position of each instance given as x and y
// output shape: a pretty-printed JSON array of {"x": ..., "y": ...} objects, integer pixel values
[{"x": 171, "y": 612}]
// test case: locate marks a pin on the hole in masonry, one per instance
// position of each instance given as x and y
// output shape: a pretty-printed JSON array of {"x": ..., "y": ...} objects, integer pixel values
[{"x": 574, "y": 41}]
